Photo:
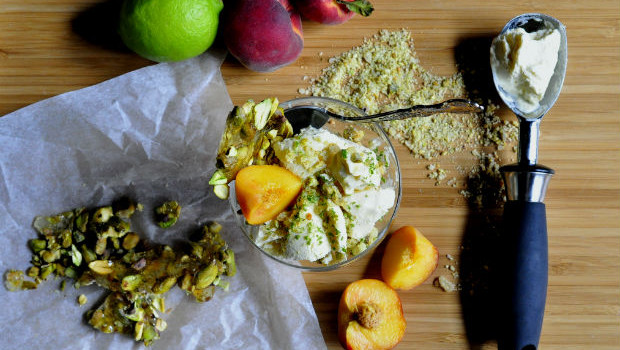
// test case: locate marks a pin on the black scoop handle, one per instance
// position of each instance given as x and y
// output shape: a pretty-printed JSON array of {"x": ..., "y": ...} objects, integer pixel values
[{"x": 526, "y": 276}]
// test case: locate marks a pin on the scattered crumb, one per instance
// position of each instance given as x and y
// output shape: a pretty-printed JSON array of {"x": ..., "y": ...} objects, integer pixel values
[
  {"x": 82, "y": 299},
  {"x": 445, "y": 284},
  {"x": 436, "y": 173}
]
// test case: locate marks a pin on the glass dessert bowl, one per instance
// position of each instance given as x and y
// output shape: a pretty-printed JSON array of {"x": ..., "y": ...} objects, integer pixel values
[{"x": 345, "y": 207}]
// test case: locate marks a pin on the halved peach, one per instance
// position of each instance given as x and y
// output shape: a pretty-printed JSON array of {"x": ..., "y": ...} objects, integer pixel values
[
  {"x": 264, "y": 191},
  {"x": 370, "y": 316},
  {"x": 409, "y": 259}
]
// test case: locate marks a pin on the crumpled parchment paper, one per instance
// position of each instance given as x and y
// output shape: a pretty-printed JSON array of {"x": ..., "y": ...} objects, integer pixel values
[{"x": 151, "y": 134}]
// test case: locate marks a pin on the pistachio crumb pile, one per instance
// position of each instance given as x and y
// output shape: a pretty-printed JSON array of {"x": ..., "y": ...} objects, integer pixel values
[
  {"x": 384, "y": 74},
  {"x": 98, "y": 246}
]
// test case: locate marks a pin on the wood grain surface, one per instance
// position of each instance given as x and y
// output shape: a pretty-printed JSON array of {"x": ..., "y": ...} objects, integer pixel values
[{"x": 54, "y": 46}]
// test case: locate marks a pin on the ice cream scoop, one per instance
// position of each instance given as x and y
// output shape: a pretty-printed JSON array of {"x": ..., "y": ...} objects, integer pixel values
[{"x": 525, "y": 225}]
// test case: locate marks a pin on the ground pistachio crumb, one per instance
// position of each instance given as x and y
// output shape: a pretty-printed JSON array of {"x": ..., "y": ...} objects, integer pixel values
[{"x": 445, "y": 284}]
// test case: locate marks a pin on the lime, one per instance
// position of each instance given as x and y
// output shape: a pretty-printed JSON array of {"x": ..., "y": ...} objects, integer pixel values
[{"x": 169, "y": 30}]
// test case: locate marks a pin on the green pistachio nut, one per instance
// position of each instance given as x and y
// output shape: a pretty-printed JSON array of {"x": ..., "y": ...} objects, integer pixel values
[
  {"x": 130, "y": 240},
  {"x": 37, "y": 245},
  {"x": 206, "y": 276},
  {"x": 131, "y": 282},
  {"x": 165, "y": 285},
  {"x": 103, "y": 214}
]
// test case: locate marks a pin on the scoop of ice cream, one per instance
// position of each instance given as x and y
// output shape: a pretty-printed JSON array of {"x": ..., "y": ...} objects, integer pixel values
[{"x": 524, "y": 64}]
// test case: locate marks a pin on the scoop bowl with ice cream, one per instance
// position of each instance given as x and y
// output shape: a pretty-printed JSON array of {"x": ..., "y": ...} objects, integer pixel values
[{"x": 350, "y": 195}]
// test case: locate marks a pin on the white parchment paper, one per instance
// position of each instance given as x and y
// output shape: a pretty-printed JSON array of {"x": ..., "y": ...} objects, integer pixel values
[{"x": 151, "y": 134}]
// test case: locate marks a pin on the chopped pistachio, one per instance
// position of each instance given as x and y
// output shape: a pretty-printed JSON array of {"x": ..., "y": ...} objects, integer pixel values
[
  {"x": 149, "y": 334},
  {"x": 203, "y": 295},
  {"x": 124, "y": 208},
  {"x": 130, "y": 240},
  {"x": 37, "y": 245},
  {"x": 26, "y": 285},
  {"x": 65, "y": 238},
  {"x": 76, "y": 256},
  {"x": 32, "y": 272},
  {"x": 229, "y": 259},
  {"x": 161, "y": 325},
  {"x": 167, "y": 214},
  {"x": 101, "y": 267},
  {"x": 13, "y": 280},
  {"x": 186, "y": 282},
  {"x": 249, "y": 128},
  {"x": 46, "y": 270},
  {"x": 50, "y": 256},
  {"x": 70, "y": 272},
  {"x": 103, "y": 214},
  {"x": 218, "y": 178},
  {"x": 131, "y": 282},
  {"x": 221, "y": 191},
  {"x": 206, "y": 276},
  {"x": 262, "y": 112},
  {"x": 138, "y": 329},
  {"x": 81, "y": 221},
  {"x": 159, "y": 303},
  {"x": 214, "y": 227},
  {"x": 137, "y": 274},
  {"x": 87, "y": 254},
  {"x": 82, "y": 299},
  {"x": 165, "y": 285}
]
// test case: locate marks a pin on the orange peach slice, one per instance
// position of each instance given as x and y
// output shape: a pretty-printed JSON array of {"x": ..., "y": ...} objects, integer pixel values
[
  {"x": 264, "y": 191},
  {"x": 409, "y": 259},
  {"x": 370, "y": 316}
]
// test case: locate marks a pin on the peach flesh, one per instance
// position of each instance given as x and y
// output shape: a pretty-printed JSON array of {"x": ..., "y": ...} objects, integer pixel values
[
  {"x": 409, "y": 259},
  {"x": 370, "y": 316}
]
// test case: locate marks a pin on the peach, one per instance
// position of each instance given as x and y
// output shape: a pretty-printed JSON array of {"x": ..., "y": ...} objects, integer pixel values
[
  {"x": 332, "y": 11},
  {"x": 409, "y": 259},
  {"x": 263, "y": 35},
  {"x": 370, "y": 316},
  {"x": 264, "y": 191}
]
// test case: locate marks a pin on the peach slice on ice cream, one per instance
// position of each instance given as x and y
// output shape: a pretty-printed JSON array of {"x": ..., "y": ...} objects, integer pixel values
[{"x": 264, "y": 191}]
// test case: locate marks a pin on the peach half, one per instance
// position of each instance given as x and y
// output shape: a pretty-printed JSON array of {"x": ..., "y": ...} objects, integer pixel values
[
  {"x": 409, "y": 259},
  {"x": 370, "y": 316}
]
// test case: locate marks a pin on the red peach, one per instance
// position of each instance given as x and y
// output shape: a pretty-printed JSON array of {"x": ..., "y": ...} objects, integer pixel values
[
  {"x": 263, "y": 35},
  {"x": 332, "y": 11}
]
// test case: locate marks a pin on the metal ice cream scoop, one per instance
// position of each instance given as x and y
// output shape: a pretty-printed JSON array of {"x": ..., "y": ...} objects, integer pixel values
[{"x": 524, "y": 213}]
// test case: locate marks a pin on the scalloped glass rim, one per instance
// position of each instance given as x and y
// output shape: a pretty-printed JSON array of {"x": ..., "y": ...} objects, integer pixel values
[{"x": 394, "y": 176}]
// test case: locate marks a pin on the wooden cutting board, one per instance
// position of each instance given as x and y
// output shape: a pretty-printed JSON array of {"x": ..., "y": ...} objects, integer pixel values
[{"x": 47, "y": 48}]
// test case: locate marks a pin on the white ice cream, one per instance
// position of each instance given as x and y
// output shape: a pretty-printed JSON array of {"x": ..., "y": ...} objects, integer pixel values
[
  {"x": 340, "y": 203},
  {"x": 524, "y": 64}
]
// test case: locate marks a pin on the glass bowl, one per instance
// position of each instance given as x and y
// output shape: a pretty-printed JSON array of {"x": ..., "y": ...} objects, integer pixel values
[{"x": 372, "y": 133}]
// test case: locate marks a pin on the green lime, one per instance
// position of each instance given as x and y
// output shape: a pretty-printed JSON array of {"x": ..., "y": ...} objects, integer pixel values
[{"x": 169, "y": 30}]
